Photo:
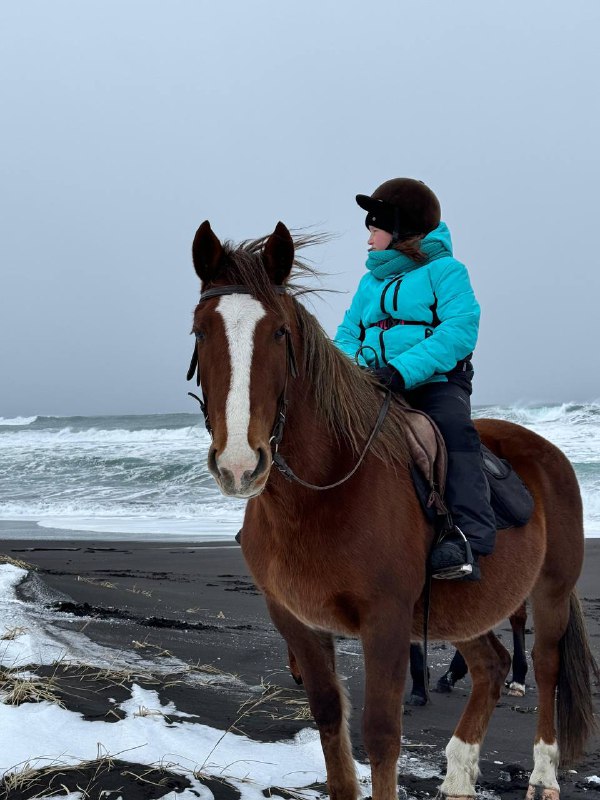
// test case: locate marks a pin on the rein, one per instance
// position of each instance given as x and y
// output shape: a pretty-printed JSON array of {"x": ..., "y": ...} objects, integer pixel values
[{"x": 280, "y": 418}]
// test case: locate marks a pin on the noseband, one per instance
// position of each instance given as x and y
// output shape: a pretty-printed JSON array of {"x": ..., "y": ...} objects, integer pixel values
[{"x": 291, "y": 370}]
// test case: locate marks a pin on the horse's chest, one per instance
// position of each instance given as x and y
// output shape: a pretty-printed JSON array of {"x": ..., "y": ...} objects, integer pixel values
[{"x": 312, "y": 595}]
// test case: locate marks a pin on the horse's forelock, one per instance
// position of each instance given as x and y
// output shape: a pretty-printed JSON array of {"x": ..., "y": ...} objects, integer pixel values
[{"x": 243, "y": 265}]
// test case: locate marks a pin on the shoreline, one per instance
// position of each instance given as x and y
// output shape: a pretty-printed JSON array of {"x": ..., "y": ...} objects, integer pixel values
[{"x": 34, "y": 529}]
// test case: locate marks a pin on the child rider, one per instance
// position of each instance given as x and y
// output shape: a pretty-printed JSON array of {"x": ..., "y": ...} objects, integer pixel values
[{"x": 414, "y": 321}]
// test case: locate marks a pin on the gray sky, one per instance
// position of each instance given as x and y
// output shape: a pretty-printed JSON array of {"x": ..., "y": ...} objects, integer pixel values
[{"x": 125, "y": 124}]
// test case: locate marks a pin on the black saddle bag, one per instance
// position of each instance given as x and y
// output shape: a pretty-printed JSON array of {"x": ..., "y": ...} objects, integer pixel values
[{"x": 510, "y": 499}]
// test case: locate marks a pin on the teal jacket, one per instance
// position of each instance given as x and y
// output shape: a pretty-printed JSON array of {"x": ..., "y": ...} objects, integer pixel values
[{"x": 422, "y": 319}]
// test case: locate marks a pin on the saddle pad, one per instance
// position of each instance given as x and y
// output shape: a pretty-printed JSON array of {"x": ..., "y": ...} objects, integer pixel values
[{"x": 510, "y": 499}]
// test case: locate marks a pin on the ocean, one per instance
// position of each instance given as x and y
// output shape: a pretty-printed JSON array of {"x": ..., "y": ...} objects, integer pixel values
[{"x": 145, "y": 477}]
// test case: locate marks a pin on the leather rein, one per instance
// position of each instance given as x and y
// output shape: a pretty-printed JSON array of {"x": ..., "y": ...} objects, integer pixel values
[{"x": 291, "y": 371}]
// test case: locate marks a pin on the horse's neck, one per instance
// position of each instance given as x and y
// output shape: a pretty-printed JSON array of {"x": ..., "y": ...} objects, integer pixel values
[{"x": 310, "y": 448}]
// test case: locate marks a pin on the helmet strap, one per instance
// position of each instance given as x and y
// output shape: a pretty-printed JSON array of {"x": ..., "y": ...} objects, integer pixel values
[{"x": 396, "y": 232}]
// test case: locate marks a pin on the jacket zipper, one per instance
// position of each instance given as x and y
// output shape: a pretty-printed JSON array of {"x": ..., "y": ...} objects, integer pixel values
[
  {"x": 383, "y": 294},
  {"x": 396, "y": 290},
  {"x": 382, "y": 347}
]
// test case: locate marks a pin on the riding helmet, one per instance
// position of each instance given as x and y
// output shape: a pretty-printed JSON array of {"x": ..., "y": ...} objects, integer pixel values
[{"x": 404, "y": 207}]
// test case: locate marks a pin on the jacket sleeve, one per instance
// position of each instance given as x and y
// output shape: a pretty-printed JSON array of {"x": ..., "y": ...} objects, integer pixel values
[
  {"x": 350, "y": 333},
  {"x": 453, "y": 338}
]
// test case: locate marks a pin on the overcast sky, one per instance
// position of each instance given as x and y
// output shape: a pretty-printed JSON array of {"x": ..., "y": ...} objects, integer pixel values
[{"x": 126, "y": 124}]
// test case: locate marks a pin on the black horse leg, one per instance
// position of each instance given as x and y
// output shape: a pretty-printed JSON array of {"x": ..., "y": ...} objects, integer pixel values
[
  {"x": 519, "y": 663},
  {"x": 418, "y": 693},
  {"x": 456, "y": 671}
]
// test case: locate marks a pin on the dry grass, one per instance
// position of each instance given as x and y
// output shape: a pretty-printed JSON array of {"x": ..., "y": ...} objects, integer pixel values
[
  {"x": 146, "y": 645},
  {"x": 52, "y": 780},
  {"x": 5, "y": 559},
  {"x": 13, "y": 633},
  {"x": 100, "y": 584},
  {"x": 117, "y": 677},
  {"x": 136, "y": 590},
  {"x": 17, "y": 688},
  {"x": 291, "y": 704}
]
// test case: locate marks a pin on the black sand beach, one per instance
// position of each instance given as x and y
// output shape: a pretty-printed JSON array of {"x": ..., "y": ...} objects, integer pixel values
[{"x": 196, "y": 603}]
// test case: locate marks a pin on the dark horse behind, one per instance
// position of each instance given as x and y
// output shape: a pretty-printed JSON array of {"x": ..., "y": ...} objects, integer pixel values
[{"x": 351, "y": 560}]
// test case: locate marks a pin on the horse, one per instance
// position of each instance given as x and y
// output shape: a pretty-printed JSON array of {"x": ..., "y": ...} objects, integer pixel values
[
  {"x": 458, "y": 666},
  {"x": 351, "y": 558}
]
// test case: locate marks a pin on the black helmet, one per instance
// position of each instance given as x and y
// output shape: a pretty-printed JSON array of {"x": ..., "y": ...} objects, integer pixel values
[{"x": 402, "y": 206}]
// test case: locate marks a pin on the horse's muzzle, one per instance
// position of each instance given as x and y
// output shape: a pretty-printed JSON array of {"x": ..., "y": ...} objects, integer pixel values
[{"x": 242, "y": 480}]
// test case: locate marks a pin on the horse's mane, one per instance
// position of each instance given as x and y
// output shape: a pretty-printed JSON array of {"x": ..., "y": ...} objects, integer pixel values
[{"x": 347, "y": 397}]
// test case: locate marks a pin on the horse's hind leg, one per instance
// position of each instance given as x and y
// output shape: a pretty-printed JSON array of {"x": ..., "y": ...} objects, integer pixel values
[
  {"x": 314, "y": 659},
  {"x": 455, "y": 672},
  {"x": 488, "y": 662},
  {"x": 518, "y": 620},
  {"x": 551, "y": 615},
  {"x": 418, "y": 692}
]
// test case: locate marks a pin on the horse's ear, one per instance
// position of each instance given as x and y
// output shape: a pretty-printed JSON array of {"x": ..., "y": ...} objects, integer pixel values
[
  {"x": 278, "y": 255},
  {"x": 206, "y": 253}
]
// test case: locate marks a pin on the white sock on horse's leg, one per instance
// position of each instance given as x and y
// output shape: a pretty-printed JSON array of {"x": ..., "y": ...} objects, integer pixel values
[
  {"x": 463, "y": 769},
  {"x": 545, "y": 763}
]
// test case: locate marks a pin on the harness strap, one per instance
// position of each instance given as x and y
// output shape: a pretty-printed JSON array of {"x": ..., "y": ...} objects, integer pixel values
[
  {"x": 288, "y": 473},
  {"x": 391, "y": 322}
]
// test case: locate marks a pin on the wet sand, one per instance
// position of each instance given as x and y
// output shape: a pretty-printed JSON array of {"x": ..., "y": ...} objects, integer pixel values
[{"x": 197, "y": 603}]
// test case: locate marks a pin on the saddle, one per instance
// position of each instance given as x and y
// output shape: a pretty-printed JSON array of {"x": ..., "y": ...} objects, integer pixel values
[{"x": 511, "y": 500}]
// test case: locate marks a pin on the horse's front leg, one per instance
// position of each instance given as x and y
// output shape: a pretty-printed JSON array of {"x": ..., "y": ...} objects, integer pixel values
[
  {"x": 386, "y": 646},
  {"x": 314, "y": 657}
]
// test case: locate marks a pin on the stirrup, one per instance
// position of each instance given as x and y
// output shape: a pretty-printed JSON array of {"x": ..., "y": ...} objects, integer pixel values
[
  {"x": 462, "y": 570},
  {"x": 452, "y": 573}
]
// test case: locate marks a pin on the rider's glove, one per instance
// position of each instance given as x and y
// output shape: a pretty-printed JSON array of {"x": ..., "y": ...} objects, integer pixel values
[{"x": 389, "y": 377}]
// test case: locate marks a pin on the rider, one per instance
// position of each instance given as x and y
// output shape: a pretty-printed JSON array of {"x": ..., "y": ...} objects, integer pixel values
[{"x": 414, "y": 321}]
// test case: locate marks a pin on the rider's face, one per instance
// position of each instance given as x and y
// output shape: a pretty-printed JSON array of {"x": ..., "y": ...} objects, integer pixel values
[{"x": 378, "y": 239}]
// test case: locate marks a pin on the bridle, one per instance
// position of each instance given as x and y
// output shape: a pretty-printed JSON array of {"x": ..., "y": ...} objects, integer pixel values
[{"x": 291, "y": 371}]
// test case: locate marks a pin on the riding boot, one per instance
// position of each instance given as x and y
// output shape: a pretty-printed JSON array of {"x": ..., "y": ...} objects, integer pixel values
[
  {"x": 466, "y": 495},
  {"x": 467, "y": 498}
]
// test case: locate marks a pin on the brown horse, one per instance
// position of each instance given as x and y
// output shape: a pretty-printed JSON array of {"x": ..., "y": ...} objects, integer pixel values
[{"x": 351, "y": 559}]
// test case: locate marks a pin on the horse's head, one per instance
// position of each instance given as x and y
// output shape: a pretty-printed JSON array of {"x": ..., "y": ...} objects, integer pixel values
[{"x": 243, "y": 352}]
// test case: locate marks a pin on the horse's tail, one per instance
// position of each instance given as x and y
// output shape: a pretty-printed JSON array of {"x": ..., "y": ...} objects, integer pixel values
[{"x": 574, "y": 706}]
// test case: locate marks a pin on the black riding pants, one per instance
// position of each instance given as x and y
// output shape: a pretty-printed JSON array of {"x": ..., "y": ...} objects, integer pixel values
[{"x": 449, "y": 405}]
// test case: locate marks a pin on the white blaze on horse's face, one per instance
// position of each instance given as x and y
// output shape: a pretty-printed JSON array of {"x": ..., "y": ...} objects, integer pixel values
[{"x": 238, "y": 461}]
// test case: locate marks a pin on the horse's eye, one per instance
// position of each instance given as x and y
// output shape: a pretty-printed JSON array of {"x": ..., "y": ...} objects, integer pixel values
[
  {"x": 280, "y": 332},
  {"x": 200, "y": 336}
]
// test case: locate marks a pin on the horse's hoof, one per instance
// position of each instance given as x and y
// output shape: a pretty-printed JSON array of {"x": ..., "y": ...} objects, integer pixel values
[
  {"x": 444, "y": 685},
  {"x": 516, "y": 689},
  {"x": 441, "y": 796},
  {"x": 416, "y": 700},
  {"x": 539, "y": 793}
]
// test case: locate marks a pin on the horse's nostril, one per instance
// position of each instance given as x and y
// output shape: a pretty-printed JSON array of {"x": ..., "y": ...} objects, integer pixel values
[{"x": 262, "y": 463}]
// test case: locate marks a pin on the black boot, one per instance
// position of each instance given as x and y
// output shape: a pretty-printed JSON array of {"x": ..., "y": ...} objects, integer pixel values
[{"x": 452, "y": 559}]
